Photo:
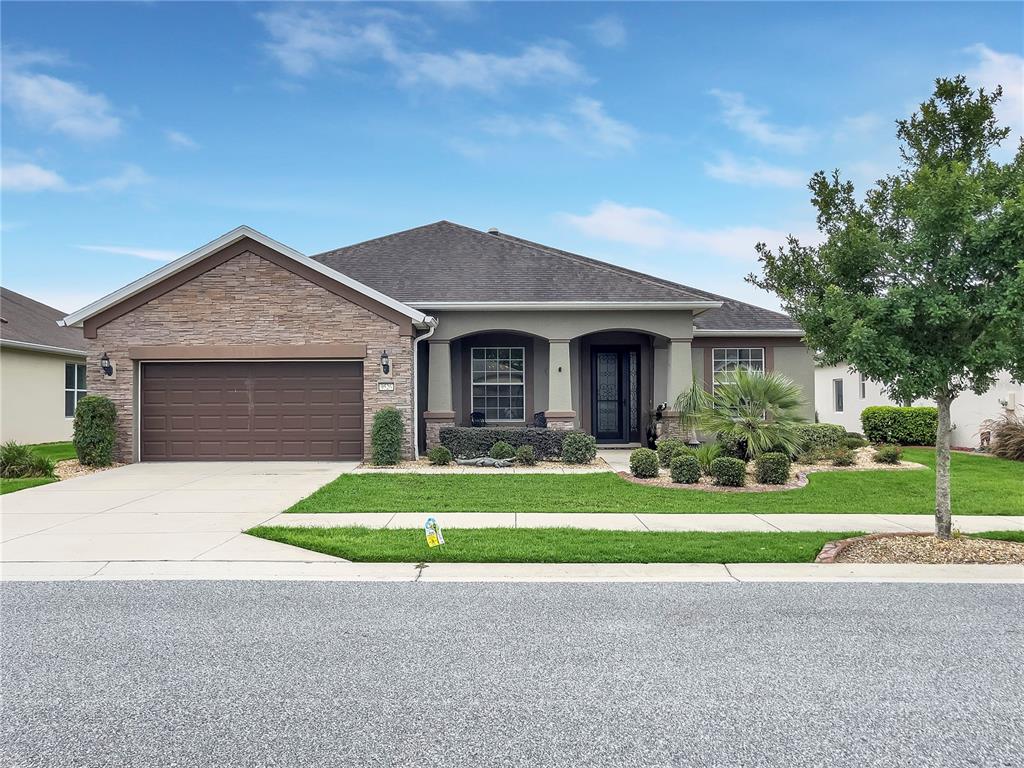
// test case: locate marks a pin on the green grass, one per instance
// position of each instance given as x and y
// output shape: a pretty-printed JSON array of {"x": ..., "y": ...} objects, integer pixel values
[
  {"x": 12, "y": 484},
  {"x": 553, "y": 545},
  {"x": 55, "y": 451},
  {"x": 981, "y": 485},
  {"x": 1001, "y": 535}
]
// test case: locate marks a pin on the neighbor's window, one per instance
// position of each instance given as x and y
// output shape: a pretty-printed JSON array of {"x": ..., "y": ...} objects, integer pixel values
[
  {"x": 726, "y": 360},
  {"x": 74, "y": 387},
  {"x": 863, "y": 386},
  {"x": 499, "y": 383},
  {"x": 837, "y": 395}
]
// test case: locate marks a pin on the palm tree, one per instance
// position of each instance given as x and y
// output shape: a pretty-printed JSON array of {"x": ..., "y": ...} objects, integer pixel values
[{"x": 763, "y": 409}]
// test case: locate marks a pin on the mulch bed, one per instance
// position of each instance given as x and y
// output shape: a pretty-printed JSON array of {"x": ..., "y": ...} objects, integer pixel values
[{"x": 922, "y": 548}]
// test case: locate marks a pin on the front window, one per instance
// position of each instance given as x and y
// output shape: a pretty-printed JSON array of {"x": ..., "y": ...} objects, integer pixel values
[
  {"x": 863, "y": 387},
  {"x": 727, "y": 360},
  {"x": 837, "y": 395},
  {"x": 499, "y": 383},
  {"x": 74, "y": 387}
]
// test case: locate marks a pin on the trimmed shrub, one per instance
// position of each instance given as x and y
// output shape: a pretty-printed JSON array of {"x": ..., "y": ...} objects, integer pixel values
[
  {"x": 386, "y": 436},
  {"x": 685, "y": 468},
  {"x": 526, "y": 456},
  {"x": 842, "y": 457},
  {"x": 772, "y": 468},
  {"x": 853, "y": 443},
  {"x": 643, "y": 462},
  {"x": 809, "y": 456},
  {"x": 502, "y": 450},
  {"x": 18, "y": 460},
  {"x": 94, "y": 433},
  {"x": 729, "y": 471},
  {"x": 667, "y": 448},
  {"x": 439, "y": 456},
  {"x": 888, "y": 454},
  {"x": 732, "y": 447},
  {"x": 1007, "y": 436},
  {"x": 705, "y": 454},
  {"x": 821, "y": 436},
  {"x": 579, "y": 448},
  {"x": 916, "y": 425},
  {"x": 474, "y": 442}
]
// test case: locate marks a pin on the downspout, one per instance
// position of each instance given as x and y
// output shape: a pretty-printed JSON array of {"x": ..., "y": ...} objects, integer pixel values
[{"x": 432, "y": 325}]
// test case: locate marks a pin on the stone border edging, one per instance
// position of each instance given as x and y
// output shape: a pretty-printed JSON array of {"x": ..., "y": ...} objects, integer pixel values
[{"x": 833, "y": 549}]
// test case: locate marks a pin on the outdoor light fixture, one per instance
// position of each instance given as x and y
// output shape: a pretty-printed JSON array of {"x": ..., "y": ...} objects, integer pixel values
[
  {"x": 106, "y": 366},
  {"x": 385, "y": 362}
]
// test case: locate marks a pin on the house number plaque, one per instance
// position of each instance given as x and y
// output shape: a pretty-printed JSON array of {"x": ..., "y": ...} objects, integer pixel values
[{"x": 385, "y": 386}]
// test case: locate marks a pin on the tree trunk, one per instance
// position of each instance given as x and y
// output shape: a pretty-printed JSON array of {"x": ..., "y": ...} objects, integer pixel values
[{"x": 943, "y": 513}]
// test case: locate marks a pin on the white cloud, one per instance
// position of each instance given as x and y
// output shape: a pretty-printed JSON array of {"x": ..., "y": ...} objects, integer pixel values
[
  {"x": 750, "y": 122},
  {"x": 29, "y": 177},
  {"x": 152, "y": 254},
  {"x": 654, "y": 229},
  {"x": 130, "y": 176},
  {"x": 585, "y": 126},
  {"x": 56, "y": 105},
  {"x": 180, "y": 140},
  {"x": 608, "y": 31},
  {"x": 858, "y": 126},
  {"x": 1006, "y": 69},
  {"x": 754, "y": 172},
  {"x": 303, "y": 40}
]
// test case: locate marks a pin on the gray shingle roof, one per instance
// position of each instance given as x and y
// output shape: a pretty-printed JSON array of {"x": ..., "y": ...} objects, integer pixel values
[
  {"x": 449, "y": 262},
  {"x": 32, "y": 322}
]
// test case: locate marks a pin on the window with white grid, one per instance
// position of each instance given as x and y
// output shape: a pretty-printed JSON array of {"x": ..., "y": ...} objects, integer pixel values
[
  {"x": 726, "y": 360},
  {"x": 499, "y": 383}
]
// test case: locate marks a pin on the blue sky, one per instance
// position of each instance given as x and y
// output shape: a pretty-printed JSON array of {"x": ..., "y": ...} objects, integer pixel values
[{"x": 666, "y": 137}]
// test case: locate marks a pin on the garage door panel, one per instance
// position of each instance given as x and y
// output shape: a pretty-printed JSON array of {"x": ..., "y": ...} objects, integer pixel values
[{"x": 235, "y": 411}]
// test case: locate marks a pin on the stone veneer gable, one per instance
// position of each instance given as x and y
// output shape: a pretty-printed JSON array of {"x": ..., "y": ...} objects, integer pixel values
[{"x": 243, "y": 301}]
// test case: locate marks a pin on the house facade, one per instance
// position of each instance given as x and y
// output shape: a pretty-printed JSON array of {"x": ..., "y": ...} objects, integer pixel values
[
  {"x": 842, "y": 393},
  {"x": 42, "y": 371},
  {"x": 247, "y": 349}
]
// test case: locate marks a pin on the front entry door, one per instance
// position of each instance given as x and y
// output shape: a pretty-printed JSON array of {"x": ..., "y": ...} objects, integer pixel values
[{"x": 615, "y": 397}]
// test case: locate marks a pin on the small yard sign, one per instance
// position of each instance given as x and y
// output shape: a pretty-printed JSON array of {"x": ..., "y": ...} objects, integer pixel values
[{"x": 433, "y": 531}]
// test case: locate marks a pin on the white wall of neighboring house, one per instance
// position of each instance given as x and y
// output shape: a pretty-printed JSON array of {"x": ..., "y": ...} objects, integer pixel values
[
  {"x": 32, "y": 396},
  {"x": 968, "y": 412}
]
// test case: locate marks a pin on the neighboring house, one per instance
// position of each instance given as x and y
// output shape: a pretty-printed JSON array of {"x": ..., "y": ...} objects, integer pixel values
[
  {"x": 245, "y": 348},
  {"x": 841, "y": 393},
  {"x": 42, "y": 371}
]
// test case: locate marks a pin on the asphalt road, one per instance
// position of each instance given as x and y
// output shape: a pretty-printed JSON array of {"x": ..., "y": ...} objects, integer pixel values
[{"x": 326, "y": 674}]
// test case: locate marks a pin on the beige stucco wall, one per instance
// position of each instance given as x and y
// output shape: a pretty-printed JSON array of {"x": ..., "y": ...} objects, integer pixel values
[
  {"x": 797, "y": 363},
  {"x": 564, "y": 324},
  {"x": 32, "y": 396}
]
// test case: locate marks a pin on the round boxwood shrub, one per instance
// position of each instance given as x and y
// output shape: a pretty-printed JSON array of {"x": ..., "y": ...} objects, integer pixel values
[
  {"x": 94, "y": 432},
  {"x": 386, "y": 436},
  {"x": 888, "y": 454},
  {"x": 502, "y": 450},
  {"x": 842, "y": 457},
  {"x": 526, "y": 456},
  {"x": 579, "y": 448},
  {"x": 729, "y": 471},
  {"x": 772, "y": 468},
  {"x": 853, "y": 443},
  {"x": 643, "y": 462},
  {"x": 439, "y": 455},
  {"x": 667, "y": 447},
  {"x": 685, "y": 468},
  {"x": 824, "y": 437}
]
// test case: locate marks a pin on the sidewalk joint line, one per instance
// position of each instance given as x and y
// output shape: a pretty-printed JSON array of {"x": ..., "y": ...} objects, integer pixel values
[
  {"x": 393, "y": 516},
  {"x": 205, "y": 551},
  {"x": 766, "y": 522},
  {"x": 731, "y": 574},
  {"x": 646, "y": 527}
]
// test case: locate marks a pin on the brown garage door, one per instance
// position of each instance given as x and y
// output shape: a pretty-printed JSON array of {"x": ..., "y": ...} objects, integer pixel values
[{"x": 250, "y": 410}]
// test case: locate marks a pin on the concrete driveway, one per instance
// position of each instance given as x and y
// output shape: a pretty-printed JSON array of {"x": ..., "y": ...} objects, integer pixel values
[{"x": 179, "y": 511}]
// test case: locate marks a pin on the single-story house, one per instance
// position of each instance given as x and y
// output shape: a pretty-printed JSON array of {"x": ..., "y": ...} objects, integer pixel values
[
  {"x": 247, "y": 349},
  {"x": 42, "y": 371},
  {"x": 842, "y": 393}
]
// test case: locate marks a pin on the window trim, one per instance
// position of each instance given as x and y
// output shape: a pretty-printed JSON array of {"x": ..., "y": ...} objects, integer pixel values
[
  {"x": 79, "y": 392},
  {"x": 764, "y": 361},
  {"x": 473, "y": 385},
  {"x": 838, "y": 403}
]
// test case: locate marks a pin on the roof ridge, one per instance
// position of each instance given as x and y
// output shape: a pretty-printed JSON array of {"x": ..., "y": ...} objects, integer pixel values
[
  {"x": 387, "y": 237},
  {"x": 569, "y": 255}
]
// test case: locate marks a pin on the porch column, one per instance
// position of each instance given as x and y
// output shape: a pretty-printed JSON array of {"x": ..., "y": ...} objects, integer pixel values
[
  {"x": 560, "y": 413},
  {"x": 680, "y": 378},
  {"x": 439, "y": 411}
]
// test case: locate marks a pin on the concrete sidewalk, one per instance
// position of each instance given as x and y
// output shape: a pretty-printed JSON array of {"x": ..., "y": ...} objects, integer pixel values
[
  {"x": 645, "y": 522},
  {"x": 510, "y": 572}
]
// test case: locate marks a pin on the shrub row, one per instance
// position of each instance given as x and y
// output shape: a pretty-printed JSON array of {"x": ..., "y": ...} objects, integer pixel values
[
  {"x": 473, "y": 442},
  {"x": 915, "y": 425},
  {"x": 821, "y": 436}
]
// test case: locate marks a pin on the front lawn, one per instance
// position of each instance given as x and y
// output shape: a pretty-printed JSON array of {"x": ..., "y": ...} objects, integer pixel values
[
  {"x": 554, "y": 545},
  {"x": 54, "y": 451},
  {"x": 12, "y": 484},
  {"x": 981, "y": 485}
]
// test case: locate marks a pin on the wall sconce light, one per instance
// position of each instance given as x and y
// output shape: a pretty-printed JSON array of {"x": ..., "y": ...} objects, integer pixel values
[
  {"x": 385, "y": 362},
  {"x": 106, "y": 366}
]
